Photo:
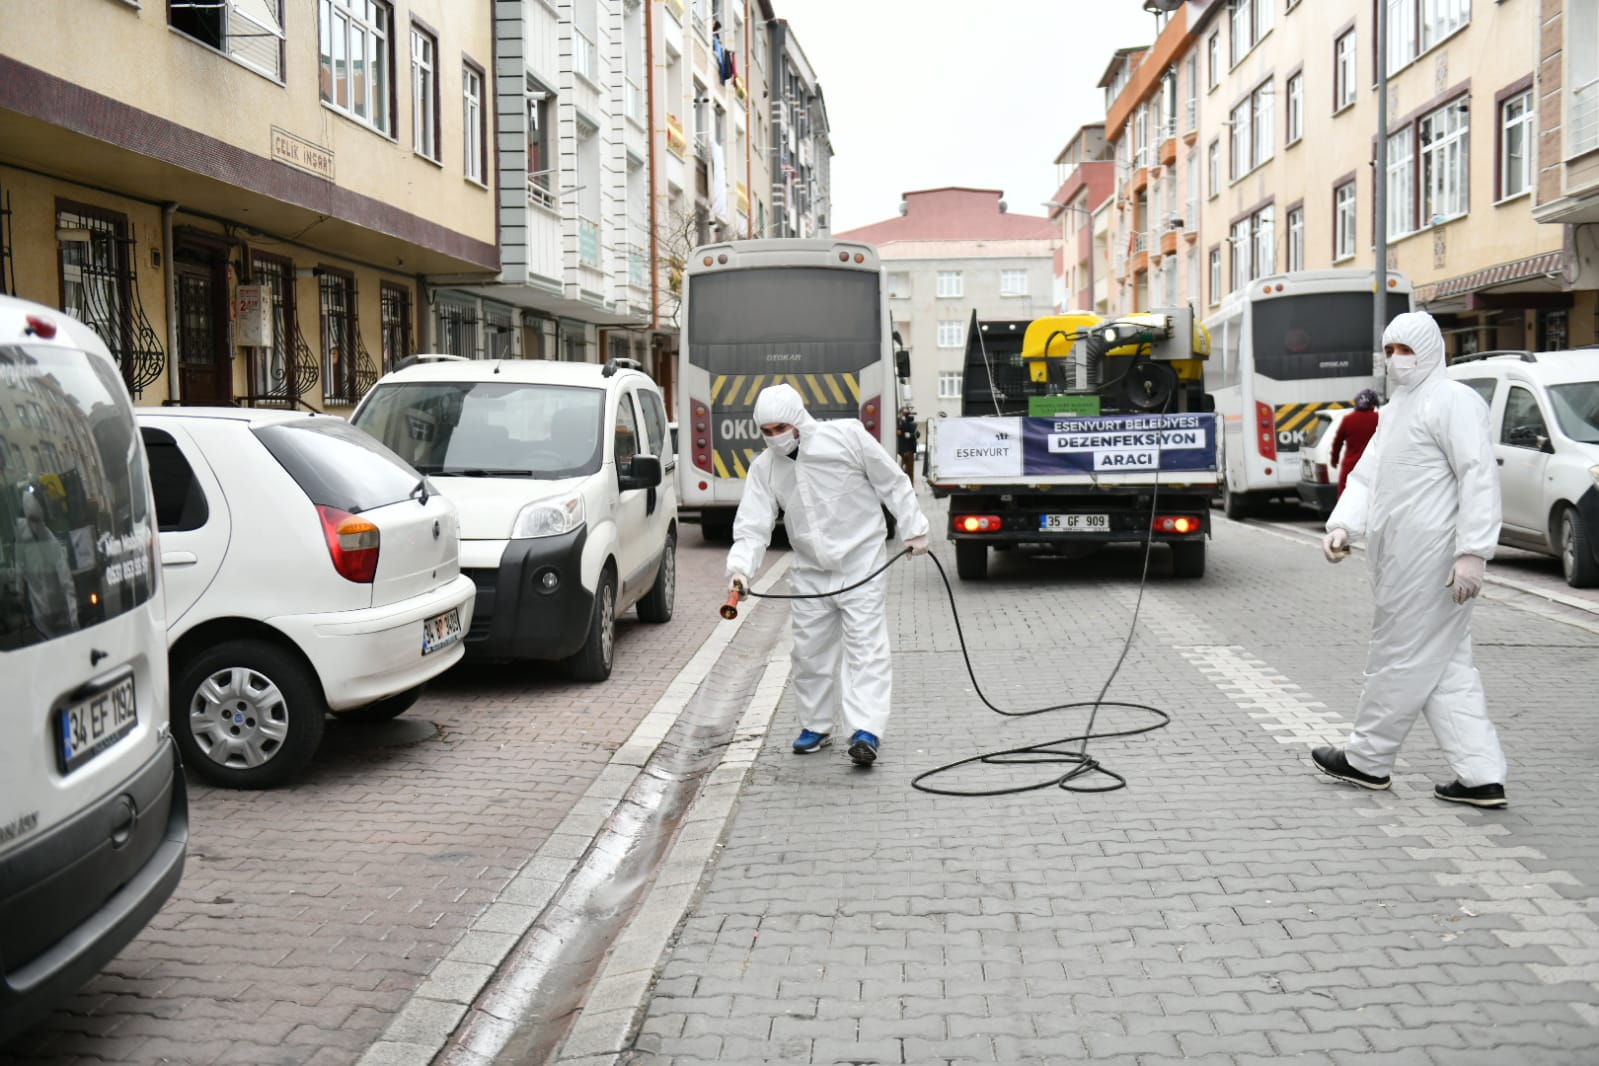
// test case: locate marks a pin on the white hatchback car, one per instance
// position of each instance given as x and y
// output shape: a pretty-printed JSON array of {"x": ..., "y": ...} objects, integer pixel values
[
  {"x": 566, "y": 517},
  {"x": 308, "y": 569},
  {"x": 94, "y": 816},
  {"x": 1544, "y": 411}
]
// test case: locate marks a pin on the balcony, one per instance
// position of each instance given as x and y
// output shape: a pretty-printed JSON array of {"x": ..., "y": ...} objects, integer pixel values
[
  {"x": 1168, "y": 242},
  {"x": 676, "y": 139},
  {"x": 1579, "y": 179},
  {"x": 741, "y": 196},
  {"x": 638, "y": 267},
  {"x": 1140, "y": 180},
  {"x": 1168, "y": 152},
  {"x": 588, "y": 242},
  {"x": 539, "y": 195}
]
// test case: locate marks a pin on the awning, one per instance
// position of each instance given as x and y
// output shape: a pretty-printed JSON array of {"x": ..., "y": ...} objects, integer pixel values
[{"x": 1502, "y": 274}]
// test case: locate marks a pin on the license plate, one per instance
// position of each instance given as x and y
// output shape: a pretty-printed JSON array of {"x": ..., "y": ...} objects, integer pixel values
[
  {"x": 1075, "y": 523},
  {"x": 88, "y": 728},
  {"x": 440, "y": 631}
]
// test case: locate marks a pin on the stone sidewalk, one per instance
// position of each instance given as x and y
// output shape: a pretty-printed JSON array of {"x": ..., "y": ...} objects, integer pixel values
[{"x": 1230, "y": 906}]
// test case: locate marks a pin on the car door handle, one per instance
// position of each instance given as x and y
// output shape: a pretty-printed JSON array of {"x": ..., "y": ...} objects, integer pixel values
[
  {"x": 1501, "y": 462},
  {"x": 179, "y": 558}
]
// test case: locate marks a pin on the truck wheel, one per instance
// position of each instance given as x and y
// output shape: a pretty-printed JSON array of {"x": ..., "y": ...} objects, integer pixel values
[
  {"x": 1576, "y": 551},
  {"x": 1188, "y": 558},
  {"x": 971, "y": 560}
]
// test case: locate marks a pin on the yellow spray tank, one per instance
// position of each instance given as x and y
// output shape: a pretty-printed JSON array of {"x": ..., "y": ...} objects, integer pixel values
[{"x": 1079, "y": 352}]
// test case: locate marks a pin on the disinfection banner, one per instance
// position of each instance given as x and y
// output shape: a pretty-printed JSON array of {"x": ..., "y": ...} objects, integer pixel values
[{"x": 974, "y": 448}]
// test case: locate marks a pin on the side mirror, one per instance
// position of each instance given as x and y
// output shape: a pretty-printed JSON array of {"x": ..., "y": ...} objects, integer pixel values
[
  {"x": 1526, "y": 437},
  {"x": 639, "y": 472},
  {"x": 902, "y": 364}
]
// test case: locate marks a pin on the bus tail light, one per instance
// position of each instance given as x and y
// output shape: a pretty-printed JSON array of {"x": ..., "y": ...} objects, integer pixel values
[
  {"x": 872, "y": 415},
  {"x": 700, "y": 436},
  {"x": 1177, "y": 523},
  {"x": 1265, "y": 431},
  {"x": 977, "y": 523},
  {"x": 1322, "y": 477}
]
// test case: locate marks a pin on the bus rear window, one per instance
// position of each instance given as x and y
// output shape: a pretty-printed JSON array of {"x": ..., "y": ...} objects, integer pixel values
[
  {"x": 824, "y": 318},
  {"x": 1318, "y": 335}
]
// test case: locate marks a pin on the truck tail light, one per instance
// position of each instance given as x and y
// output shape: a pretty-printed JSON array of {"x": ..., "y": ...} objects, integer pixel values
[
  {"x": 1177, "y": 523},
  {"x": 352, "y": 544},
  {"x": 700, "y": 436},
  {"x": 872, "y": 415},
  {"x": 1265, "y": 431},
  {"x": 977, "y": 523}
]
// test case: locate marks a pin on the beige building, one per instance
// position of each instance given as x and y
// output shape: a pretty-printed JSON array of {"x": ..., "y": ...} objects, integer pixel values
[
  {"x": 244, "y": 198},
  {"x": 1566, "y": 100},
  {"x": 1287, "y": 130}
]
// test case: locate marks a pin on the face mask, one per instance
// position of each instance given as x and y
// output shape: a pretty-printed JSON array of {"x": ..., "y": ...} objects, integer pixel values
[
  {"x": 1403, "y": 367},
  {"x": 784, "y": 442}
]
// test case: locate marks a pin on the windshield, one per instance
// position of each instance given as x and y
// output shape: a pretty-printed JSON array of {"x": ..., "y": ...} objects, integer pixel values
[
  {"x": 813, "y": 320},
  {"x": 337, "y": 465},
  {"x": 1318, "y": 335},
  {"x": 489, "y": 429},
  {"x": 1577, "y": 410},
  {"x": 76, "y": 528}
]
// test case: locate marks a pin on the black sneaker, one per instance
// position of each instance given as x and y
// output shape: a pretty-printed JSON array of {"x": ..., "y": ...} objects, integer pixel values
[
  {"x": 1476, "y": 796},
  {"x": 863, "y": 748},
  {"x": 1331, "y": 761}
]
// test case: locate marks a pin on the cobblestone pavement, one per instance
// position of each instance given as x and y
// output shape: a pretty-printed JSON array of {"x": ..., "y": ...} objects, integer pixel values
[
  {"x": 1230, "y": 906},
  {"x": 307, "y": 916}
]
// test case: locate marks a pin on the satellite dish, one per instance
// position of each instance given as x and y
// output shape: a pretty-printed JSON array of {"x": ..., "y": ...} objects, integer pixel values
[{"x": 1150, "y": 385}]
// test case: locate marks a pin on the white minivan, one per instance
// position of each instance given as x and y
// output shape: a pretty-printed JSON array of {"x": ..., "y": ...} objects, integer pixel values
[{"x": 94, "y": 820}]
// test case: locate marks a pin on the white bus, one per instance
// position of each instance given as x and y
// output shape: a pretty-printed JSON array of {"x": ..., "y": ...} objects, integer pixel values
[
  {"x": 812, "y": 313},
  {"x": 1282, "y": 348}
]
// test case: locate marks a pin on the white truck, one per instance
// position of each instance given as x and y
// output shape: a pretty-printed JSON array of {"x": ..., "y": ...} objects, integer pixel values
[{"x": 1077, "y": 432}]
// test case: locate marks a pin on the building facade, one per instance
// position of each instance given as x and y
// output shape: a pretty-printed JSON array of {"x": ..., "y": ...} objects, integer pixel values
[
  {"x": 951, "y": 252},
  {"x": 801, "y": 145},
  {"x": 1086, "y": 173},
  {"x": 266, "y": 240},
  {"x": 1565, "y": 101}
]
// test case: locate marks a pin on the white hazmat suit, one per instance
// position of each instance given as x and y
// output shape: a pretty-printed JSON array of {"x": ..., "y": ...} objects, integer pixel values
[
  {"x": 831, "y": 490},
  {"x": 1426, "y": 498}
]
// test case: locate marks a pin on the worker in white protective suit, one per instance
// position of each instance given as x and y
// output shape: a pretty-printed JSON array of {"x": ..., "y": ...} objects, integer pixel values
[
  {"x": 1426, "y": 498},
  {"x": 831, "y": 480}
]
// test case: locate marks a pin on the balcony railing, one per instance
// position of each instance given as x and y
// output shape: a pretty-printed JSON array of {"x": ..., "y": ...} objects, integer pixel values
[
  {"x": 1584, "y": 118},
  {"x": 1190, "y": 116},
  {"x": 539, "y": 196},
  {"x": 583, "y": 56},
  {"x": 588, "y": 242},
  {"x": 1140, "y": 241}
]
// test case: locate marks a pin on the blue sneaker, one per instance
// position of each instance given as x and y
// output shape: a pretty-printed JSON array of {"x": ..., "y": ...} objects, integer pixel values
[
  {"x": 809, "y": 740},
  {"x": 863, "y": 748}
]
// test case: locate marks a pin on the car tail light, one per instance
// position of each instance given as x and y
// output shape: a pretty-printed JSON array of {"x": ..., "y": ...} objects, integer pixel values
[
  {"x": 700, "y": 437},
  {"x": 1176, "y": 523},
  {"x": 1322, "y": 477},
  {"x": 40, "y": 327},
  {"x": 977, "y": 523},
  {"x": 352, "y": 544},
  {"x": 1265, "y": 431},
  {"x": 872, "y": 415}
]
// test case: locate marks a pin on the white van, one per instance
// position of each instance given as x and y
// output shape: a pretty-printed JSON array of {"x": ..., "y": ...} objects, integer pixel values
[{"x": 94, "y": 819}]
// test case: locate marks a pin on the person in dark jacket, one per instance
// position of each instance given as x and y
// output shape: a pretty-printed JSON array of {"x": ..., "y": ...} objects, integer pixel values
[
  {"x": 907, "y": 442},
  {"x": 1354, "y": 432}
]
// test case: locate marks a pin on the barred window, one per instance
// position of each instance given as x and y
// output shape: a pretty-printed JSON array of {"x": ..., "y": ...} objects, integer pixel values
[{"x": 338, "y": 338}]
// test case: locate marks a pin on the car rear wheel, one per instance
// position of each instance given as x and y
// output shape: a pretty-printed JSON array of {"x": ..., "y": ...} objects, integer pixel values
[
  {"x": 1576, "y": 551},
  {"x": 246, "y": 714},
  {"x": 593, "y": 660},
  {"x": 656, "y": 606},
  {"x": 383, "y": 710}
]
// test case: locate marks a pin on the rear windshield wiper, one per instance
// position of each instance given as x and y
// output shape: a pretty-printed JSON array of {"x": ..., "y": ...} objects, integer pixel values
[
  {"x": 420, "y": 494},
  {"x": 481, "y": 471}
]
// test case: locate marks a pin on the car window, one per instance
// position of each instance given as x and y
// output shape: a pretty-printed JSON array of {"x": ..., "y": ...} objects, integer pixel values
[
  {"x": 1577, "y": 410},
  {"x": 338, "y": 465},
  {"x": 1318, "y": 428},
  {"x": 655, "y": 423},
  {"x": 627, "y": 441},
  {"x": 483, "y": 428},
  {"x": 1523, "y": 421},
  {"x": 1483, "y": 387},
  {"x": 180, "y": 503},
  {"x": 77, "y": 534}
]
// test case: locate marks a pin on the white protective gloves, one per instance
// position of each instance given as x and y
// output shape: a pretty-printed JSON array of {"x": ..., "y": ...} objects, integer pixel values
[
  {"x": 1335, "y": 545},
  {"x": 917, "y": 545},
  {"x": 1465, "y": 578},
  {"x": 740, "y": 582}
]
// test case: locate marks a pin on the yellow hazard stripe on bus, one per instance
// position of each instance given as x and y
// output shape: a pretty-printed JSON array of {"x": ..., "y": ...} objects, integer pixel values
[
  {"x": 733, "y": 462},
  {"x": 825, "y": 389},
  {"x": 1296, "y": 416}
]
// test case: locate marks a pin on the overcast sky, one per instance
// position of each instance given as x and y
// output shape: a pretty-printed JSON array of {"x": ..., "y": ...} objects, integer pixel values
[{"x": 926, "y": 93}]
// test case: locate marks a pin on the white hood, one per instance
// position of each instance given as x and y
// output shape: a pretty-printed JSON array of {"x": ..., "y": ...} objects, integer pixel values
[{"x": 488, "y": 505}]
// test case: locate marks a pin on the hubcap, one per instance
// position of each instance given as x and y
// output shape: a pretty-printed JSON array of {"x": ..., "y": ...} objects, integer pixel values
[
  {"x": 669, "y": 575},
  {"x": 607, "y": 623},
  {"x": 238, "y": 717}
]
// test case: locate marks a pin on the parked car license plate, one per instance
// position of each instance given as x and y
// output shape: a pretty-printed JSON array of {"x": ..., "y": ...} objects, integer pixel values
[
  {"x": 440, "y": 631},
  {"x": 89, "y": 727},
  {"x": 1075, "y": 523}
]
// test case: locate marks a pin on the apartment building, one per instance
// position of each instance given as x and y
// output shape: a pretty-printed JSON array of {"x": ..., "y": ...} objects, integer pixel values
[
  {"x": 1287, "y": 115},
  {"x": 801, "y": 146},
  {"x": 1086, "y": 175},
  {"x": 245, "y": 197},
  {"x": 1565, "y": 108},
  {"x": 950, "y": 252}
]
